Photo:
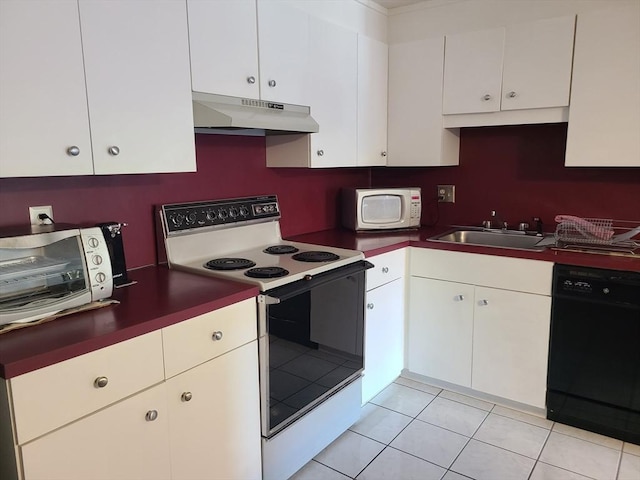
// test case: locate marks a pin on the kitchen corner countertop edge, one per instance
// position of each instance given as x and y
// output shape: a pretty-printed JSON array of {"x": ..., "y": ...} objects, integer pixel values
[
  {"x": 159, "y": 298},
  {"x": 376, "y": 243}
]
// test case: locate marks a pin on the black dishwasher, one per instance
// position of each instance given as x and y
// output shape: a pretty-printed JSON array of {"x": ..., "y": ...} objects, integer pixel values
[{"x": 594, "y": 353}]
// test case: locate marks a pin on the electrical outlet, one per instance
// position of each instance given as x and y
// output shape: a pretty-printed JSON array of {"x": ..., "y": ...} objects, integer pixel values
[
  {"x": 35, "y": 211},
  {"x": 447, "y": 193}
]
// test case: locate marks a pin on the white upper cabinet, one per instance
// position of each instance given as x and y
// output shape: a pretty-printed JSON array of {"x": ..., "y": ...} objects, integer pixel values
[
  {"x": 224, "y": 47},
  {"x": 283, "y": 43},
  {"x": 126, "y": 109},
  {"x": 523, "y": 66},
  {"x": 42, "y": 91},
  {"x": 137, "y": 69},
  {"x": 473, "y": 71},
  {"x": 332, "y": 80},
  {"x": 604, "y": 118},
  {"x": 416, "y": 133},
  {"x": 373, "y": 67}
]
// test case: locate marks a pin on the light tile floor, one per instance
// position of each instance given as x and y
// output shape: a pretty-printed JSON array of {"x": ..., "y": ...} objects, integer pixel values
[{"x": 416, "y": 431}]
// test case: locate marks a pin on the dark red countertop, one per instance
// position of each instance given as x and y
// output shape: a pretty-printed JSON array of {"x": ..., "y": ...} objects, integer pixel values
[
  {"x": 161, "y": 297},
  {"x": 375, "y": 243}
]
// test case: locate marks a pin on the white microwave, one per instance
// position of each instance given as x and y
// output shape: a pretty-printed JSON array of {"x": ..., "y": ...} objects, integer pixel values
[
  {"x": 50, "y": 269},
  {"x": 381, "y": 208}
]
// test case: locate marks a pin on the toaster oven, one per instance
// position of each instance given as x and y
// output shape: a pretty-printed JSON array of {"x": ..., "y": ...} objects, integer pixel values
[{"x": 44, "y": 270}]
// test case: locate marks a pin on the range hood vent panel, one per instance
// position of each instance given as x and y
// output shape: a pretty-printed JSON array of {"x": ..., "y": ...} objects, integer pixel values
[{"x": 222, "y": 112}]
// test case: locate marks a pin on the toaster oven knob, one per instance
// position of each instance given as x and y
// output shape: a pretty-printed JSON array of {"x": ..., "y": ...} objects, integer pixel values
[
  {"x": 93, "y": 242},
  {"x": 100, "y": 277},
  {"x": 100, "y": 382},
  {"x": 97, "y": 260}
]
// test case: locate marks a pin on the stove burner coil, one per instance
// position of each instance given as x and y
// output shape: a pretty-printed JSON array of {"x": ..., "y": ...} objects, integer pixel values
[
  {"x": 315, "y": 256},
  {"x": 280, "y": 249},
  {"x": 266, "y": 272},
  {"x": 229, "y": 264}
]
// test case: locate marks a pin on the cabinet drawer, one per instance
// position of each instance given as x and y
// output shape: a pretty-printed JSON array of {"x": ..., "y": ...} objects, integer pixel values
[
  {"x": 53, "y": 396},
  {"x": 388, "y": 267},
  {"x": 517, "y": 274},
  {"x": 202, "y": 338}
]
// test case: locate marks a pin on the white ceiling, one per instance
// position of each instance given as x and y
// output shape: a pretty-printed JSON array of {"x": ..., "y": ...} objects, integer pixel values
[{"x": 396, "y": 3}]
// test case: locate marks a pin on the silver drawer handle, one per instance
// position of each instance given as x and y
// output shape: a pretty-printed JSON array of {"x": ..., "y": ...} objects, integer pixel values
[
  {"x": 486, "y": 98},
  {"x": 370, "y": 306},
  {"x": 483, "y": 303},
  {"x": 459, "y": 298},
  {"x": 251, "y": 79},
  {"x": 320, "y": 153},
  {"x": 100, "y": 382},
  {"x": 186, "y": 396},
  {"x": 512, "y": 94},
  {"x": 151, "y": 415},
  {"x": 385, "y": 269},
  {"x": 272, "y": 83},
  {"x": 74, "y": 151},
  {"x": 217, "y": 336},
  {"x": 383, "y": 153},
  {"x": 114, "y": 150}
]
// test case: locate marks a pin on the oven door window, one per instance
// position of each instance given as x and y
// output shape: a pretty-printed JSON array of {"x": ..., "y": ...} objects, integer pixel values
[
  {"x": 33, "y": 277},
  {"x": 315, "y": 344}
]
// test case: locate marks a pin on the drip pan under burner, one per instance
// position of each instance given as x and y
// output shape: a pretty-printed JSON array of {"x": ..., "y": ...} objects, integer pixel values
[
  {"x": 229, "y": 264},
  {"x": 280, "y": 249},
  {"x": 266, "y": 272},
  {"x": 315, "y": 256}
]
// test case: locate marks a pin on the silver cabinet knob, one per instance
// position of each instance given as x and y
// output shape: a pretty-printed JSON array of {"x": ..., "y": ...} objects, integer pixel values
[
  {"x": 483, "y": 303},
  {"x": 271, "y": 83},
  {"x": 73, "y": 151},
  {"x": 512, "y": 94},
  {"x": 151, "y": 415},
  {"x": 114, "y": 150},
  {"x": 100, "y": 382},
  {"x": 383, "y": 154},
  {"x": 320, "y": 153},
  {"x": 486, "y": 98},
  {"x": 459, "y": 298},
  {"x": 186, "y": 396},
  {"x": 370, "y": 306},
  {"x": 385, "y": 269},
  {"x": 217, "y": 336},
  {"x": 251, "y": 80}
]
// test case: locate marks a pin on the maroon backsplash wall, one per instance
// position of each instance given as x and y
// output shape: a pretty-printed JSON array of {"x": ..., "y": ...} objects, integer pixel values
[
  {"x": 228, "y": 166},
  {"x": 517, "y": 171}
]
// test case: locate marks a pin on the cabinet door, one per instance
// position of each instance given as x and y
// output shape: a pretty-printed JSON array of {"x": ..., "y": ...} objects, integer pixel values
[
  {"x": 604, "y": 118},
  {"x": 214, "y": 414},
  {"x": 283, "y": 33},
  {"x": 510, "y": 345},
  {"x": 224, "y": 47},
  {"x": 372, "y": 102},
  {"x": 537, "y": 64},
  {"x": 416, "y": 134},
  {"x": 332, "y": 82},
  {"x": 138, "y": 86},
  {"x": 43, "y": 104},
  {"x": 440, "y": 330},
  {"x": 119, "y": 442},
  {"x": 473, "y": 71},
  {"x": 384, "y": 338}
]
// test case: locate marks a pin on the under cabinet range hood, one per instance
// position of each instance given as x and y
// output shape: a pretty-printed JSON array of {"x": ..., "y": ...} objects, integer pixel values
[{"x": 222, "y": 114}]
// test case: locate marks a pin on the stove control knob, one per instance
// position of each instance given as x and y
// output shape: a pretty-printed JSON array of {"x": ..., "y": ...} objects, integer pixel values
[
  {"x": 211, "y": 215},
  {"x": 177, "y": 219},
  {"x": 191, "y": 218},
  {"x": 223, "y": 214},
  {"x": 244, "y": 211},
  {"x": 233, "y": 212}
]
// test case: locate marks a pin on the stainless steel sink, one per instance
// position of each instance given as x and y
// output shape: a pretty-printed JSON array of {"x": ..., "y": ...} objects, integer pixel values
[{"x": 495, "y": 238}]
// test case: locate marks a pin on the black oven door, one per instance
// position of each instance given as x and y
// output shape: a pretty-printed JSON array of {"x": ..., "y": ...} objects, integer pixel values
[{"x": 311, "y": 342}]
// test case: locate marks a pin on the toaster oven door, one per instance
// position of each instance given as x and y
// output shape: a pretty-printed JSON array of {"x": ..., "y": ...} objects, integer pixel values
[{"x": 41, "y": 275}]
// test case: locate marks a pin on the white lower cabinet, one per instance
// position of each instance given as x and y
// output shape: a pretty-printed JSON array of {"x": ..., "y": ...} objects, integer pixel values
[
  {"x": 511, "y": 344},
  {"x": 441, "y": 330},
  {"x": 384, "y": 323},
  {"x": 492, "y": 340},
  {"x": 128, "y": 440},
  {"x": 214, "y": 418}
]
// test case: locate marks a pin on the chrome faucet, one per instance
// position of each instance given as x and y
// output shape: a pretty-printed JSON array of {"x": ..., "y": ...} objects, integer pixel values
[{"x": 493, "y": 223}]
